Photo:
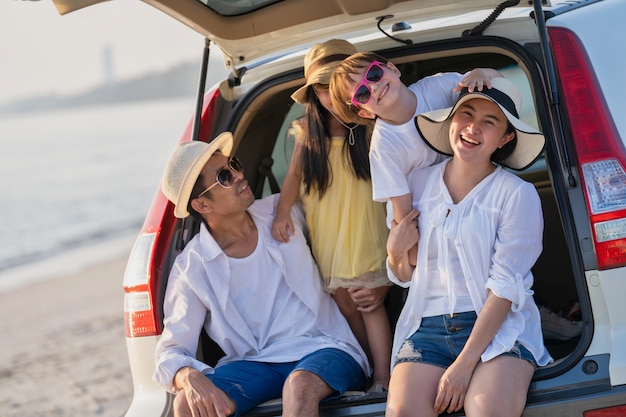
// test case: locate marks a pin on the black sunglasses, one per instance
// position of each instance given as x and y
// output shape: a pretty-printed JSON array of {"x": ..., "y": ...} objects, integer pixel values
[{"x": 224, "y": 176}]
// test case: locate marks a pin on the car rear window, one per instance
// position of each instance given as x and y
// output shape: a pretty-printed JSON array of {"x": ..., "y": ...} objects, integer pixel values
[{"x": 236, "y": 7}]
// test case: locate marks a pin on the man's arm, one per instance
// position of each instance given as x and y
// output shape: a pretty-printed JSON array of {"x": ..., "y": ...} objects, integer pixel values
[{"x": 183, "y": 317}]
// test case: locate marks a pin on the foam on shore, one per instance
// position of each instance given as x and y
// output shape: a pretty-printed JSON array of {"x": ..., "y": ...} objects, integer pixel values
[{"x": 70, "y": 262}]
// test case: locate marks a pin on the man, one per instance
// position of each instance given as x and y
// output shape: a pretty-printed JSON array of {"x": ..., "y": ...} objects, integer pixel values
[{"x": 261, "y": 300}]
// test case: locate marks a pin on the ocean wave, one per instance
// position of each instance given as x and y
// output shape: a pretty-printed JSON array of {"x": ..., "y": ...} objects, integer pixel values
[
  {"x": 74, "y": 182},
  {"x": 67, "y": 262}
]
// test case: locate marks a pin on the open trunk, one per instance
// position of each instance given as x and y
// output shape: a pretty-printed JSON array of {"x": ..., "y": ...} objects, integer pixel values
[{"x": 259, "y": 121}]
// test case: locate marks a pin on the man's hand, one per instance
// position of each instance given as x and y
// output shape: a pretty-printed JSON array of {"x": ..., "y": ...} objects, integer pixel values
[{"x": 204, "y": 399}]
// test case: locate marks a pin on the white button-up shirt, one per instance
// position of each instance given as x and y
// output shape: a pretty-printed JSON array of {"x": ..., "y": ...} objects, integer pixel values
[
  {"x": 198, "y": 295},
  {"x": 496, "y": 232}
]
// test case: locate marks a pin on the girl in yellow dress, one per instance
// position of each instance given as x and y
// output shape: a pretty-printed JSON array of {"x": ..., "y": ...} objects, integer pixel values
[{"x": 329, "y": 171}]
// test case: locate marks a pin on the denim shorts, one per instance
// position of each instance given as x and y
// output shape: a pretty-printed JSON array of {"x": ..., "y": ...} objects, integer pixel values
[
  {"x": 249, "y": 383},
  {"x": 440, "y": 339}
]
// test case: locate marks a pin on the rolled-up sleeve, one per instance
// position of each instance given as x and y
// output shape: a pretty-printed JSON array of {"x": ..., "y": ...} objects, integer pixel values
[
  {"x": 393, "y": 278},
  {"x": 184, "y": 317},
  {"x": 517, "y": 246}
]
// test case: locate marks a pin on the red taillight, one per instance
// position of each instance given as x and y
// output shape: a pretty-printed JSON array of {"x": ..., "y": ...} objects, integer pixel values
[
  {"x": 143, "y": 272},
  {"x": 619, "y": 411},
  {"x": 599, "y": 148},
  {"x": 139, "y": 313}
]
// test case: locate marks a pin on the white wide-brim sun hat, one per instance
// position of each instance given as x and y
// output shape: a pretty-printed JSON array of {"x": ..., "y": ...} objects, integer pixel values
[
  {"x": 184, "y": 166},
  {"x": 530, "y": 141}
]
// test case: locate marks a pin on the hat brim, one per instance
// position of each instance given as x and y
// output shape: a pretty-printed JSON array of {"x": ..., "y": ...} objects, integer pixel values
[
  {"x": 530, "y": 141},
  {"x": 222, "y": 143},
  {"x": 321, "y": 76}
]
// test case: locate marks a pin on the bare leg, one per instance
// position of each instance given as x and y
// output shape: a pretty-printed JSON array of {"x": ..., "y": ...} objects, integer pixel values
[
  {"x": 379, "y": 341},
  {"x": 302, "y": 394},
  {"x": 412, "y": 390},
  {"x": 354, "y": 318},
  {"x": 499, "y": 388}
]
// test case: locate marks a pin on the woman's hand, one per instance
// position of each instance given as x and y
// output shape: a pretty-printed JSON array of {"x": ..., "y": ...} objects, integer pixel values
[
  {"x": 402, "y": 237},
  {"x": 453, "y": 387}
]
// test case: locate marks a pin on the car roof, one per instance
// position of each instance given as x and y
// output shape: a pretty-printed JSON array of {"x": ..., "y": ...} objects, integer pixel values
[{"x": 247, "y": 30}]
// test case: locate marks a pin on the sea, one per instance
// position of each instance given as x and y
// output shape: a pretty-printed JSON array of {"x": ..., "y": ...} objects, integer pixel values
[{"x": 76, "y": 184}]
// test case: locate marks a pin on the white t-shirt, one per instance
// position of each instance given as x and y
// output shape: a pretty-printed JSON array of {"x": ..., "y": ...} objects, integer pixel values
[
  {"x": 259, "y": 277},
  {"x": 396, "y": 150}
]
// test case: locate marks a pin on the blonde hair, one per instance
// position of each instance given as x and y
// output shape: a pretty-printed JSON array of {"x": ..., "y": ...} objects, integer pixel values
[{"x": 341, "y": 85}]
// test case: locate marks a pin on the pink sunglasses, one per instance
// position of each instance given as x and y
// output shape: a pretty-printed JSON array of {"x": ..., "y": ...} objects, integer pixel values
[{"x": 363, "y": 94}]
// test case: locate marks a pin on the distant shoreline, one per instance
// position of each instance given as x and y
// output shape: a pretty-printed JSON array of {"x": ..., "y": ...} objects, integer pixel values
[{"x": 178, "y": 81}]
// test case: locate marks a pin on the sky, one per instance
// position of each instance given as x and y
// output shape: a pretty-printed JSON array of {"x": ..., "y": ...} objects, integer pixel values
[{"x": 42, "y": 52}]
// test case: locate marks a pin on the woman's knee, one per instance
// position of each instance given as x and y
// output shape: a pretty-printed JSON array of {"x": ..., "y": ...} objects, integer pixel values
[
  {"x": 407, "y": 408},
  {"x": 499, "y": 388}
]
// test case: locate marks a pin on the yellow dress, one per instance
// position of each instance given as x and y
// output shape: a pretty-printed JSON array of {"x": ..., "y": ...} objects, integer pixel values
[{"x": 347, "y": 228}]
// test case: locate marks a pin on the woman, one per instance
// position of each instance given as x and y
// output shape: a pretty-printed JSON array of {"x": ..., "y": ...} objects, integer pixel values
[{"x": 469, "y": 335}]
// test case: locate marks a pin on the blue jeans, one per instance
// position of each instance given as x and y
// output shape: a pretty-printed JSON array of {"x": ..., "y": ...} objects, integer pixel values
[
  {"x": 249, "y": 383},
  {"x": 440, "y": 339}
]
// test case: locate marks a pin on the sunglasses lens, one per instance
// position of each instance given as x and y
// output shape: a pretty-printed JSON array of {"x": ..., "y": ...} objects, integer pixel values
[
  {"x": 374, "y": 74},
  {"x": 362, "y": 94},
  {"x": 224, "y": 177},
  {"x": 235, "y": 165}
]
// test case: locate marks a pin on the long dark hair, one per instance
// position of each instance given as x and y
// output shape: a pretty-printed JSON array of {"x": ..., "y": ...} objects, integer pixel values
[{"x": 312, "y": 129}]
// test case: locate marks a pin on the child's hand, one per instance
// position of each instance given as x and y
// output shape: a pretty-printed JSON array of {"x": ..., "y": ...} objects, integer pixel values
[
  {"x": 404, "y": 235},
  {"x": 282, "y": 228},
  {"x": 477, "y": 79},
  {"x": 368, "y": 299}
]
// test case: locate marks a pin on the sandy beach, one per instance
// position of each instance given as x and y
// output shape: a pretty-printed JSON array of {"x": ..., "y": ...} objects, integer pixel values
[{"x": 62, "y": 345}]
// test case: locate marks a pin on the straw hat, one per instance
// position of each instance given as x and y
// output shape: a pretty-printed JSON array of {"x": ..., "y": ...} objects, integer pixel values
[
  {"x": 530, "y": 142},
  {"x": 184, "y": 166},
  {"x": 320, "y": 62}
]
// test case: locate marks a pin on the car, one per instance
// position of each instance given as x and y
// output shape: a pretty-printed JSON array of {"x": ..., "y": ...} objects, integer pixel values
[{"x": 566, "y": 56}]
